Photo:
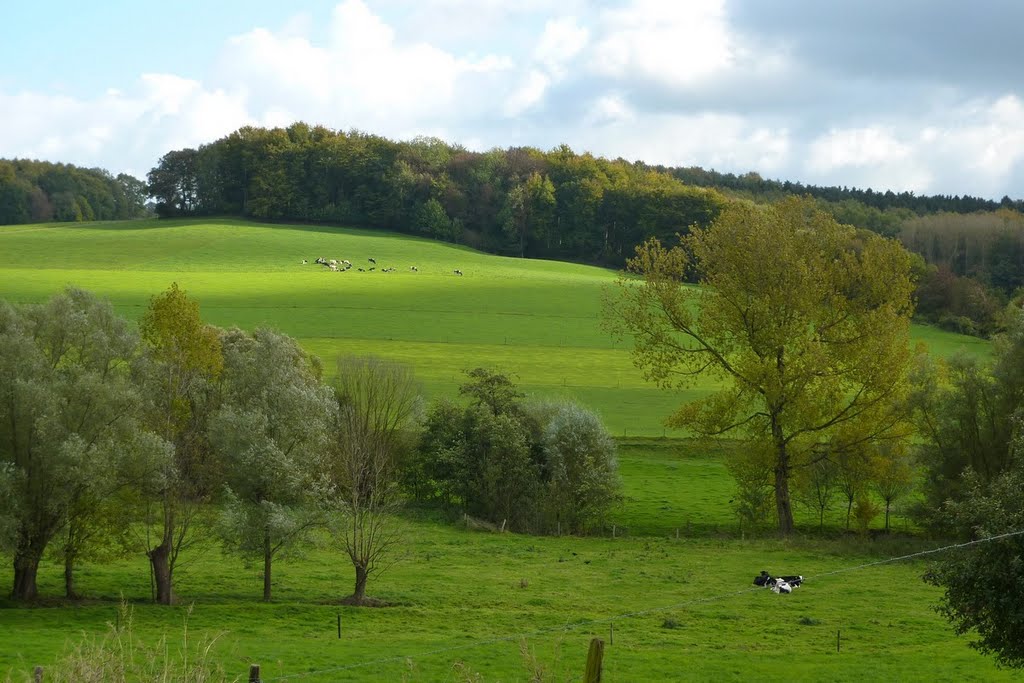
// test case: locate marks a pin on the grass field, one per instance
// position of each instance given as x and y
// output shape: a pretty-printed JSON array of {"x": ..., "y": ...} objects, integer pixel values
[
  {"x": 538, "y": 320},
  {"x": 475, "y": 597},
  {"x": 465, "y": 602}
]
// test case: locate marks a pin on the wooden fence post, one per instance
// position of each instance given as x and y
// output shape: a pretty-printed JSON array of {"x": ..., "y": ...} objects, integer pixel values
[
  {"x": 594, "y": 658},
  {"x": 339, "y": 626},
  {"x": 254, "y": 673}
]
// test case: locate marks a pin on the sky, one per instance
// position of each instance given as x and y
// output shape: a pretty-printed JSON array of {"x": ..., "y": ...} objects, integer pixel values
[{"x": 918, "y": 95}]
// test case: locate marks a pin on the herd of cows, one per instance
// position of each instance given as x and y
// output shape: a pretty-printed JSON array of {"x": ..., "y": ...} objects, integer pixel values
[{"x": 342, "y": 265}]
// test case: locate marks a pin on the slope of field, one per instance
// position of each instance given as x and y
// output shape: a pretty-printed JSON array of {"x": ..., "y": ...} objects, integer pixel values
[
  {"x": 468, "y": 602},
  {"x": 538, "y": 320}
]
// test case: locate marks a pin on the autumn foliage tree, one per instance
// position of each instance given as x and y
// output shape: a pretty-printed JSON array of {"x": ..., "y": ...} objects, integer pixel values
[
  {"x": 803, "y": 320},
  {"x": 185, "y": 359}
]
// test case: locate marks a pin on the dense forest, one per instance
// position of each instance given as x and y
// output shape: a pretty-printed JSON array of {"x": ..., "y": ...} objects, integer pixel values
[
  {"x": 40, "y": 191},
  {"x": 516, "y": 201}
]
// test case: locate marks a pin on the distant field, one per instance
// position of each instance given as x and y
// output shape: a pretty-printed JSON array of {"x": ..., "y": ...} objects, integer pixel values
[{"x": 538, "y": 320}]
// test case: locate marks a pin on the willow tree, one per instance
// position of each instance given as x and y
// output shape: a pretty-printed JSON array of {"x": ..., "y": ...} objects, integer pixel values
[
  {"x": 270, "y": 433},
  {"x": 67, "y": 427},
  {"x": 801, "y": 323}
]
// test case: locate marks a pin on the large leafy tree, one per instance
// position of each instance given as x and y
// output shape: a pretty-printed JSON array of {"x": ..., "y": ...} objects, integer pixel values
[
  {"x": 965, "y": 409},
  {"x": 984, "y": 584},
  {"x": 270, "y": 434},
  {"x": 184, "y": 361},
  {"x": 67, "y": 404},
  {"x": 580, "y": 465},
  {"x": 804, "y": 323}
]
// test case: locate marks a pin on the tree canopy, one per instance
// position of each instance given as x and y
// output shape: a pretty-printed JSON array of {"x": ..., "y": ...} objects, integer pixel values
[
  {"x": 41, "y": 191},
  {"x": 804, "y": 321}
]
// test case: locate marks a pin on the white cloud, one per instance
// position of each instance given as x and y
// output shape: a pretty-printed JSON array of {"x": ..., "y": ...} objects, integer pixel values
[
  {"x": 677, "y": 44},
  {"x": 717, "y": 141},
  {"x": 855, "y": 147},
  {"x": 527, "y": 95},
  {"x": 609, "y": 109},
  {"x": 975, "y": 147},
  {"x": 665, "y": 82},
  {"x": 561, "y": 40},
  {"x": 363, "y": 77}
]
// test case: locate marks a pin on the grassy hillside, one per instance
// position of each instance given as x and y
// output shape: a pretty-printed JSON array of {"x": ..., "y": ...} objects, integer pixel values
[
  {"x": 535, "y": 319},
  {"x": 682, "y": 609}
]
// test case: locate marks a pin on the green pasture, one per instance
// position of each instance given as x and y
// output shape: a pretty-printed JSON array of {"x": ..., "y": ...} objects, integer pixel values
[
  {"x": 680, "y": 609},
  {"x": 538, "y": 320}
]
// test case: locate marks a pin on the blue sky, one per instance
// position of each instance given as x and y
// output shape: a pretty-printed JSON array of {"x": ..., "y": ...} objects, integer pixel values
[{"x": 911, "y": 95}]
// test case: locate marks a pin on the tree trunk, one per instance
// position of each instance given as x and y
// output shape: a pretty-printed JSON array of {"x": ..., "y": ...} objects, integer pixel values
[
  {"x": 160, "y": 557},
  {"x": 359, "y": 594},
  {"x": 26, "y": 566},
  {"x": 887, "y": 516},
  {"x": 783, "y": 503},
  {"x": 849, "y": 509},
  {"x": 267, "y": 556}
]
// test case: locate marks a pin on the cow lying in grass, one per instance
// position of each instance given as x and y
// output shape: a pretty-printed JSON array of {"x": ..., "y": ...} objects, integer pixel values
[{"x": 778, "y": 584}]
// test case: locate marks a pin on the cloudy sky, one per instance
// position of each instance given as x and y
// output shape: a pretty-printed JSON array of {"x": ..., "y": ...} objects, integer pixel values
[{"x": 921, "y": 95}]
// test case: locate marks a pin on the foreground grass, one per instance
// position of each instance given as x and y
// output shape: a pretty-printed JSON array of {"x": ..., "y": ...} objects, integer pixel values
[
  {"x": 538, "y": 320},
  {"x": 468, "y": 602}
]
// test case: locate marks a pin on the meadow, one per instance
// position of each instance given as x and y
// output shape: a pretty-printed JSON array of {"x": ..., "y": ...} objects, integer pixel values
[
  {"x": 468, "y": 602},
  {"x": 674, "y": 583},
  {"x": 537, "y": 320}
]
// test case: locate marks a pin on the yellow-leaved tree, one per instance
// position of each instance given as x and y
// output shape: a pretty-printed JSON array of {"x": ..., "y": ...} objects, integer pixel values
[{"x": 802, "y": 322}]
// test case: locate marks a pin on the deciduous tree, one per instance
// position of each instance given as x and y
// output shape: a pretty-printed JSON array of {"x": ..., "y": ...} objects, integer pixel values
[
  {"x": 376, "y": 404},
  {"x": 982, "y": 584},
  {"x": 67, "y": 404},
  {"x": 805, "y": 323},
  {"x": 270, "y": 433},
  {"x": 184, "y": 361}
]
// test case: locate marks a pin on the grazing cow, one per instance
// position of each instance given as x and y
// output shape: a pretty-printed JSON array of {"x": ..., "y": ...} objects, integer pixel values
[
  {"x": 304, "y": 262},
  {"x": 457, "y": 271},
  {"x": 346, "y": 262},
  {"x": 361, "y": 270},
  {"x": 333, "y": 262},
  {"x": 414, "y": 269},
  {"x": 332, "y": 267},
  {"x": 371, "y": 269},
  {"x": 372, "y": 260}
]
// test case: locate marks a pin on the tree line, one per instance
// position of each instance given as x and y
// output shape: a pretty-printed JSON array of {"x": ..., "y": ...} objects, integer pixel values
[
  {"x": 116, "y": 440},
  {"x": 563, "y": 205},
  {"x": 41, "y": 191},
  {"x": 751, "y": 184},
  {"x": 517, "y": 201}
]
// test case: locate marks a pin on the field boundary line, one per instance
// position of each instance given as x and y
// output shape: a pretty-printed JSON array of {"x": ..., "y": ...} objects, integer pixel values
[{"x": 631, "y": 615}]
